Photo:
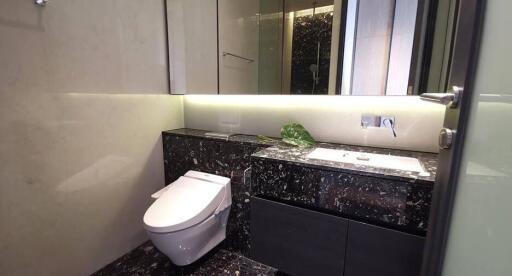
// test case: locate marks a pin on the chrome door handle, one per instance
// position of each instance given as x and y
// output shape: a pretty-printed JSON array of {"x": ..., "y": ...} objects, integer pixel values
[
  {"x": 449, "y": 99},
  {"x": 446, "y": 137}
]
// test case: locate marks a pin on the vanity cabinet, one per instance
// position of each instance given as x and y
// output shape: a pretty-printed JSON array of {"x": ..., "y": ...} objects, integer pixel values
[
  {"x": 297, "y": 241},
  {"x": 373, "y": 250}
]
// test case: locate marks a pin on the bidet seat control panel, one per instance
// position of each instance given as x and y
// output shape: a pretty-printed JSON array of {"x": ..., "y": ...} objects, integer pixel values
[
  {"x": 215, "y": 179},
  {"x": 208, "y": 177}
]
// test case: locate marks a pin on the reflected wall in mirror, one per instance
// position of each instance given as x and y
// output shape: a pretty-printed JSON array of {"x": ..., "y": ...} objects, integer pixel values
[
  {"x": 296, "y": 46},
  {"x": 238, "y": 46},
  {"x": 318, "y": 47},
  {"x": 192, "y": 44},
  {"x": 352, "y": 47}
]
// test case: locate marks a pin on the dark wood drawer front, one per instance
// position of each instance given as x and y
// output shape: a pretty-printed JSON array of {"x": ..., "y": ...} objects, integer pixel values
[
  {"x": 372, "y": 250},
  {"x": 297, "y": 241}
]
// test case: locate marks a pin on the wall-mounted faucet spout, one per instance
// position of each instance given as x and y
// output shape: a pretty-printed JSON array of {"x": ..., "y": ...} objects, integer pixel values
[{"x": 379, "y": 121}]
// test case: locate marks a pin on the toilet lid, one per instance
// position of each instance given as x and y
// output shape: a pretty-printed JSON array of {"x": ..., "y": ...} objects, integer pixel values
[{"x": 187, "y": 202}]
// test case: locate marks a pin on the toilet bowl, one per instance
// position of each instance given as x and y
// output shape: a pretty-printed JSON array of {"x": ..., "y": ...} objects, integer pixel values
[{"x": 189, "y": 216}]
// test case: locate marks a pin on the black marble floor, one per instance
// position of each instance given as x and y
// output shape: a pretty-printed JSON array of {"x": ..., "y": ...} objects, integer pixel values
[{"x": 147, "y": 260}]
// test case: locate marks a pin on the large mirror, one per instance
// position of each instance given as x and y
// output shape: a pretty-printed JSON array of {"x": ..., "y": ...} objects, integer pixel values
[{"x": 309, "y": 47}]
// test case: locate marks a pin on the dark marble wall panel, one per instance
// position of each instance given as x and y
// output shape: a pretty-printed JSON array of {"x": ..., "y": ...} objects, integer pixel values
[
  {"x": 400, "y": 205},
  {"x": 226, "y": 158}
]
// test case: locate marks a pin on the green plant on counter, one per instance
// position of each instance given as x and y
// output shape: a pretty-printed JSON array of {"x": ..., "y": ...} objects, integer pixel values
[{"x": 294, "y": 134}]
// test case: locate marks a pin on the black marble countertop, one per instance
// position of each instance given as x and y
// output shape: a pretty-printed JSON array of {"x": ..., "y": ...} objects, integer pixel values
[
  {"x": 147, "y": 260},
  {"x": 282, "y": 152},
  {"x": 297, "y": 155}
]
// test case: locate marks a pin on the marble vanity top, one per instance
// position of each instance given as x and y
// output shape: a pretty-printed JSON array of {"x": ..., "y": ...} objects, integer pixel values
[
  {"x": 298, "y": 155},
  {"x": 279, "y": 151}
]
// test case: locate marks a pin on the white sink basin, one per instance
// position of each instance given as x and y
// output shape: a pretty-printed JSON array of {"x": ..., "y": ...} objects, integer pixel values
[{"x": 368, "y": 159}]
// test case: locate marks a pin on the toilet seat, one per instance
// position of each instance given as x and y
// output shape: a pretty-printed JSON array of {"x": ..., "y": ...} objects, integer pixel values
[
  {"x": 190, "y": 216},
  {"x": 188, "y": 201}
]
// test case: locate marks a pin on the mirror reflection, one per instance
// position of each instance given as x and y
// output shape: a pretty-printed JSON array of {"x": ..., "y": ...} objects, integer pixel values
[
  {"x": 304, "y": 47},
  {"x": 298, "y": 50}
]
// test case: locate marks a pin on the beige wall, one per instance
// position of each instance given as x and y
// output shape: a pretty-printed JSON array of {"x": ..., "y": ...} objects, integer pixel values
[
  {"x": 329, "y": 118},
  {"x": 83, "y": 99}
]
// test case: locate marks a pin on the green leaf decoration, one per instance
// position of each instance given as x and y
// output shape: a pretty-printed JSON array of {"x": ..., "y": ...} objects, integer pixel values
[{"x": 295, "y": 134}]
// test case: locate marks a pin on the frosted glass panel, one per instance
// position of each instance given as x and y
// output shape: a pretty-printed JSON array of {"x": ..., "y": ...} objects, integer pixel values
[{"x": 480, "y": 240}]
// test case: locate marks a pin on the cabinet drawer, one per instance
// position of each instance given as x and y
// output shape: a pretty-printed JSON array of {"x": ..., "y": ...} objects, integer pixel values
[
  {"x": 297, "y": 241},
  {"x": 373, "y": 250}
]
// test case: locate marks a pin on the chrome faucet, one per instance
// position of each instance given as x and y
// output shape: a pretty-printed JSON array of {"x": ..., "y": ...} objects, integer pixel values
[
  {"x": 379, "y": 121},
  {"x": 389, "y": 122},
  {"x": 41, "y": 2}
]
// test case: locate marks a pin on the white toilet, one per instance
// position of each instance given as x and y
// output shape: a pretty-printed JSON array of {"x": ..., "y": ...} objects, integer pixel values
[{"x": 189, "y": 216}]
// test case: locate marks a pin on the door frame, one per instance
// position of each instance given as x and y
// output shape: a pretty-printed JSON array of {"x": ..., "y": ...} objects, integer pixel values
[{"x": 445, "y": 189}]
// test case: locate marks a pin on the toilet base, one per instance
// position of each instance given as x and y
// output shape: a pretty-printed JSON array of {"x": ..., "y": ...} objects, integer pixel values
[{"x": 186, "y": 246}]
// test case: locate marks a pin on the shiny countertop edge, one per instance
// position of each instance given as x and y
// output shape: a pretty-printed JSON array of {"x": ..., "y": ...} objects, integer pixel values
[{"x": 238, "y": 138}]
